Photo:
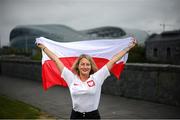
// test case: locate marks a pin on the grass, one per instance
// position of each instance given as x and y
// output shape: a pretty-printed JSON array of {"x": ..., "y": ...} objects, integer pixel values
[{"x": 13, "y": 109}]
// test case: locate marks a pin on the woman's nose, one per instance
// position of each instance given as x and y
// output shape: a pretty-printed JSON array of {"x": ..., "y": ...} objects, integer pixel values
[{"x": 86, "y": 66}]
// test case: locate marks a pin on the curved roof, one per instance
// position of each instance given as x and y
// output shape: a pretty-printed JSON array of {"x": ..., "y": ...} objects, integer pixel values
[
  {"x": 21, "y": 34},
  {"x": 108, "y": 32}
]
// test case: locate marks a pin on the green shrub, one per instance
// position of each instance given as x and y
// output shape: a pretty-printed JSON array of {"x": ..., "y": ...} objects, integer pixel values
[{"x": 137, "y": 54}]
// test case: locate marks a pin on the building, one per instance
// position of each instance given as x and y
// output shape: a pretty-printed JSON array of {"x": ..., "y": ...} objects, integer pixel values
[
  {"x": 164, "y": 47},
  {"x": 24, "y": 36}
]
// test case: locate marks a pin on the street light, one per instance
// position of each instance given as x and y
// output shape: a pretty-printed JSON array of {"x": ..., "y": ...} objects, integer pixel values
[{"x": 0, "y": 41}]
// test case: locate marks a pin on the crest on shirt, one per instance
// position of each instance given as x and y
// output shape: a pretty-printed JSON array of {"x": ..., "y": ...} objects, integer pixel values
[{"x": 91, "y": 83}]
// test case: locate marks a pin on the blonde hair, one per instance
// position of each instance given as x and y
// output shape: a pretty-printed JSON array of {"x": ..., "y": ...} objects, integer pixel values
[{"x": 75, "y": 66}]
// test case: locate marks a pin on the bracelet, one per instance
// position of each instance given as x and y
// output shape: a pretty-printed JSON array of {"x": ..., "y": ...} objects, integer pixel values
[{"x": 44, "y": 48}]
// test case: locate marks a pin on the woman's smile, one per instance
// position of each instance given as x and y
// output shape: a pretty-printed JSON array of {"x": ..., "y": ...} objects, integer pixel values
[{"x": 84, "y": 67}]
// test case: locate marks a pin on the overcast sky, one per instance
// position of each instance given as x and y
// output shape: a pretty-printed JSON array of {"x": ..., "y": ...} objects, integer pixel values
[{"x": 84, "y": 14}]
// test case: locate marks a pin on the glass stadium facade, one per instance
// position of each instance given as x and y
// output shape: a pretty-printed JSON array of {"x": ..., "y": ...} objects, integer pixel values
[{"x": 24, "y": 36}]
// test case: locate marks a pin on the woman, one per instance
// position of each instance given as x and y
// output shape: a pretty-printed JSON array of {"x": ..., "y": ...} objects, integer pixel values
[{"x": 85, "y": 81}]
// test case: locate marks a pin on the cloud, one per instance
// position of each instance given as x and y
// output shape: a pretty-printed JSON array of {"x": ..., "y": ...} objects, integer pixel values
[{"x": 83, "y": 14}]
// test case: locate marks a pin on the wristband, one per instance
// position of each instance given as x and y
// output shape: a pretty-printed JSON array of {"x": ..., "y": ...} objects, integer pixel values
[{"x": 44, "y": 48}]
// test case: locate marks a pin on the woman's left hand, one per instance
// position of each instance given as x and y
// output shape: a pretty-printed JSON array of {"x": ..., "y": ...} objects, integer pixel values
[{"x": 132, "y": 43}]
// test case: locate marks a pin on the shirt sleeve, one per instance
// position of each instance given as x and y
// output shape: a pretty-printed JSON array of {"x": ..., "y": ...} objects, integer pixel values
[
  {"x": 101, "y": 74},
  {"x": 67, "y": 75}
]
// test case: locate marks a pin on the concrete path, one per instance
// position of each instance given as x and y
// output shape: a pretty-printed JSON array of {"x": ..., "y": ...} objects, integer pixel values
[{"x": 57, "y": 101}]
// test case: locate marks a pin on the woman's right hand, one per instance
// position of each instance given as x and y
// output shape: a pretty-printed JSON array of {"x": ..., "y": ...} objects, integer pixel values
[
  {"x": 40, "y": 45},
  {"x": 52, "y": 56}
]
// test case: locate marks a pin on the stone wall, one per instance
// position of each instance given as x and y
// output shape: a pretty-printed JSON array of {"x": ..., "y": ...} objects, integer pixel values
[
  {"x": 27, "y": 69},
  {"x": 152, "y": 82}
]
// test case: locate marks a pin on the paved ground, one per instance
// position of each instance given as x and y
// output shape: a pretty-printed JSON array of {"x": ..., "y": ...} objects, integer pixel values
[{"x": 57, "y": 101}]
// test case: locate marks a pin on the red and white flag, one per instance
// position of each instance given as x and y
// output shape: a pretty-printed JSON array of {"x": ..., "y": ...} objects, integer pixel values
[{"x": 100, "y": 50}]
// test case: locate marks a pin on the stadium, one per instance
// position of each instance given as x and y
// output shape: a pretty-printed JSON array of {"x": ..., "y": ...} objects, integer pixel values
[{"x": 24, "y": 36}]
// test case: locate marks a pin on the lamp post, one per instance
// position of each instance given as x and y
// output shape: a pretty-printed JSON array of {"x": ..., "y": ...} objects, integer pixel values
[
  {"x": 0, "y": 41},
  {"x": 26, "y": 44}
]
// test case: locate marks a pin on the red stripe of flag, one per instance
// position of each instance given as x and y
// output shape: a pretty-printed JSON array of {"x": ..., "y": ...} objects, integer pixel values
[{"x": 51, "y": 75}]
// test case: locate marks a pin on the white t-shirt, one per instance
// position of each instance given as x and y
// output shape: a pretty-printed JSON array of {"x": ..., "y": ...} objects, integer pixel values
[{"x": 85, "y": 95}]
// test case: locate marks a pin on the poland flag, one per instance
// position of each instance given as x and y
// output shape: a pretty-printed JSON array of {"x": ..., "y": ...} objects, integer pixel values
[{"x": 100, "y": 50}]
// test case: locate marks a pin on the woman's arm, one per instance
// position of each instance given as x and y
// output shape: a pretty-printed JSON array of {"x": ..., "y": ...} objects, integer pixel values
[
  {"x": 118, "y": 56},
  {"x": 52, "y": 56}
]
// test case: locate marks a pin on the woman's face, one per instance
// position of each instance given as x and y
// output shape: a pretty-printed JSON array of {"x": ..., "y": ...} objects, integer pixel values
[{"x": 84, "y": 67}]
